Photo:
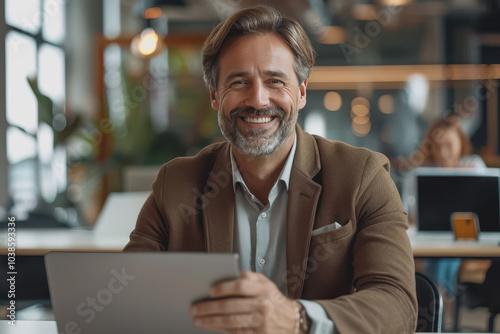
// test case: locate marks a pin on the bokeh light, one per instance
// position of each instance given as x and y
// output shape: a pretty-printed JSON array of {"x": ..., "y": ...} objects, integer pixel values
[{"x": 332, "y": 101}]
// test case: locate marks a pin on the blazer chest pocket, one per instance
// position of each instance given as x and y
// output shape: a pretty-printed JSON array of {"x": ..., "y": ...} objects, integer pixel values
[{"x": 334, "y": 235}]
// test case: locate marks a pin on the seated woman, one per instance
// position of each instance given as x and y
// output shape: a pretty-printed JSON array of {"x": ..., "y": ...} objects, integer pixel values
[{"x": 445, "y": 145}]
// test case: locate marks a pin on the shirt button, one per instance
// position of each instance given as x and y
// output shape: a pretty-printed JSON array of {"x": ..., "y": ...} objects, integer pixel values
[
  {"x": 263, "y": 215},
  {"x": 262, "y": 262}
]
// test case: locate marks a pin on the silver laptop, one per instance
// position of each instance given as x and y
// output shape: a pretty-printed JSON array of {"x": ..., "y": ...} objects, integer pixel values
[{"x": 132, "y": 292}]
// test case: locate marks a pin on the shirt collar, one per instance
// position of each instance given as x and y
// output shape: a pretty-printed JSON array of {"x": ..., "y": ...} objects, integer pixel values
[{"x": 285, "y": 172}]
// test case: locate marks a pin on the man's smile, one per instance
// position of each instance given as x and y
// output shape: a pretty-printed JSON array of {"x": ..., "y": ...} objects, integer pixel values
[
  {"x": 258, "y": 122},
  {"x": 257, "y": 119}
]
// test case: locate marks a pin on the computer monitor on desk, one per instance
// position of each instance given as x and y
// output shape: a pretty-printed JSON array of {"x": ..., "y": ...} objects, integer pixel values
[{"x": 443, "y": 191}]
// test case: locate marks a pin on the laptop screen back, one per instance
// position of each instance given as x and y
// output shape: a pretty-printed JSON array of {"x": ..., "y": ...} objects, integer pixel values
[
  {"x": 440, "y": 195},
  {"x": 147, "y": 292}
]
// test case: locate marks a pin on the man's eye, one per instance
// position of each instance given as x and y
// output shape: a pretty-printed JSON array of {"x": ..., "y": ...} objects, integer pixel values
[
  {"x": 238, "y": 83},
  {"x": 276, "y": 82}
]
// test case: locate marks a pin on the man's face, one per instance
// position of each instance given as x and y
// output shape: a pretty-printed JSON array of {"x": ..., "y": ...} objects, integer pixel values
[{"x": 258, "y": 95}]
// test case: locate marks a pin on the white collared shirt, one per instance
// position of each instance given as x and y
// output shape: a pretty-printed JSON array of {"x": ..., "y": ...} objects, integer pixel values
[
  {"x": 265, "y": 251},
  {"x": 260, "y": 236}
]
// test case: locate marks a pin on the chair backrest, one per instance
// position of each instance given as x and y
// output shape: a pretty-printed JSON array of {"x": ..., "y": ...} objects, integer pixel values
[
  {"x": 119, "y": 215},
  {"x": 430, "y": 305}
]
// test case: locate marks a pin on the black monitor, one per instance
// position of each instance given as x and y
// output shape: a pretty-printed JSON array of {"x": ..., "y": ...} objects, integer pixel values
[{"x": 442, "y": 191}]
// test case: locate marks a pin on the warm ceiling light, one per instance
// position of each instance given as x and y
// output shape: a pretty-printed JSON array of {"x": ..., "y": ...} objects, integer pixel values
[
  {"x": 148, "y": 44},
  {"x": 360, "y": 110},
  {"x": 360, "y": 101},
  {"x": 361, "y": 130},
  {"x": 333, "y": 35},
  {"x": 386, "y": 104},
  {"x": 364, "y": 12},
  {"x": 395, "y": 2},
  {"x": 332, "y": 101},
  {"x": 152, "y": 13},
  {"x": 361, "y": 120}
]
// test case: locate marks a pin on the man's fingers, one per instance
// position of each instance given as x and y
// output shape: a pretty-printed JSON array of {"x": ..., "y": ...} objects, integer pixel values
[
  {"x": 247, "y": 274},
  {"x": 241, "y": 287},
  {"x": 223, "y": 307}
]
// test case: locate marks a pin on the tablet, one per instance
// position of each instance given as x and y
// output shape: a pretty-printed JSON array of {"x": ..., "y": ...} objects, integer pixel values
[{"x": 132, "y": 292}]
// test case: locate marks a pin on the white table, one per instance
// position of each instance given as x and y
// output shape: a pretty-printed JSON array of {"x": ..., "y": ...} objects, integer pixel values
[
  {"x": 28, "y": 327},
  {"x": 36, "y": 327},
  {"x": 427, "y": 244},
  {"x": 40, "y": 241},
  {"x": 110, "y": 234},
  {"x": 443, "y": 244}
]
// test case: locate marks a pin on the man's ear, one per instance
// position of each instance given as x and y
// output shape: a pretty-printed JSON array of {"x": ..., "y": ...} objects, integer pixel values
[
  {"x": 302, "y": 94},
  {"x": 214, "y": 101}
]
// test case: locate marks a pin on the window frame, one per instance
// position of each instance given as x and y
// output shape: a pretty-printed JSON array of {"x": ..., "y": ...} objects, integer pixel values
[{"x": 5, "y": 29}]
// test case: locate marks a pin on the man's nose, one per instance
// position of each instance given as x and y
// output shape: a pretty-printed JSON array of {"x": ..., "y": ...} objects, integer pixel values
[{"x": 258, "y": 96}]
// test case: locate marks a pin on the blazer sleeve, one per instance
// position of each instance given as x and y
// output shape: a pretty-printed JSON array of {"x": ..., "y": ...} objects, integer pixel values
[
  {"x": 384, "y": 300},
  {"x": 151, "y": 231}
]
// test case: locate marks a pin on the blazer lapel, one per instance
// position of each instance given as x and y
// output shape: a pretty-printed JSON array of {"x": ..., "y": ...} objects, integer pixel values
[
  {"x": 303, "y": 197},
  {"x": 218, "y": 206}
]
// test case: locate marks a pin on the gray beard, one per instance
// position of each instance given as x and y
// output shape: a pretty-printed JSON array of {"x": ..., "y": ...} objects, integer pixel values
[{"x": 257, "y": 144}]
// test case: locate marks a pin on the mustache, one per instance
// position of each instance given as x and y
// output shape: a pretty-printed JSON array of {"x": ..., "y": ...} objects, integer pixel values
[{"x": 271, "y": 110}]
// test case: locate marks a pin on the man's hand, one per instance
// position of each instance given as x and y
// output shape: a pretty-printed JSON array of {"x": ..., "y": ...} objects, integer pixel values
[{"x": 250, "y": 304}]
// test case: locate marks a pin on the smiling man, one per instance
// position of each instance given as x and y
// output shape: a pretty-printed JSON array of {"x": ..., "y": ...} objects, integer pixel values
[
  {"x": 258, "y": 101},
  {"x": 318, "y": 224}
]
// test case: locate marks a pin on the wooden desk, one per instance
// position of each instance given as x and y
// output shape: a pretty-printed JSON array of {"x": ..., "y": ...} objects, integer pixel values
[
  {"x": 37, "y": 327},
  {"x": 429, "y": 244},
  {"x": 443, "y": 244},
  {"x": 110, "y": 234},
  {"x": 28, "y": 327},
  {"x": 40, "y": 241}
]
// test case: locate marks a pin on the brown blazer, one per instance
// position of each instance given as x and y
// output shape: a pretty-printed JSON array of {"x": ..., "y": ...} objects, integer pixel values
[{"x": 361, "y": 273}]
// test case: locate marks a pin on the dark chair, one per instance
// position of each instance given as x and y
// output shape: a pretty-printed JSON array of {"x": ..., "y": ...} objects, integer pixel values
[
  {"x": 430, "y": 305},
  {"x": 486, "y": 294},
  {"x": 31, "y": 286}
]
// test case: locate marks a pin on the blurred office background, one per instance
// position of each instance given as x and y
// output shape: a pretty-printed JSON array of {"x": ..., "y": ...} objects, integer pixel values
[{"x": 95, "y": 95}]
